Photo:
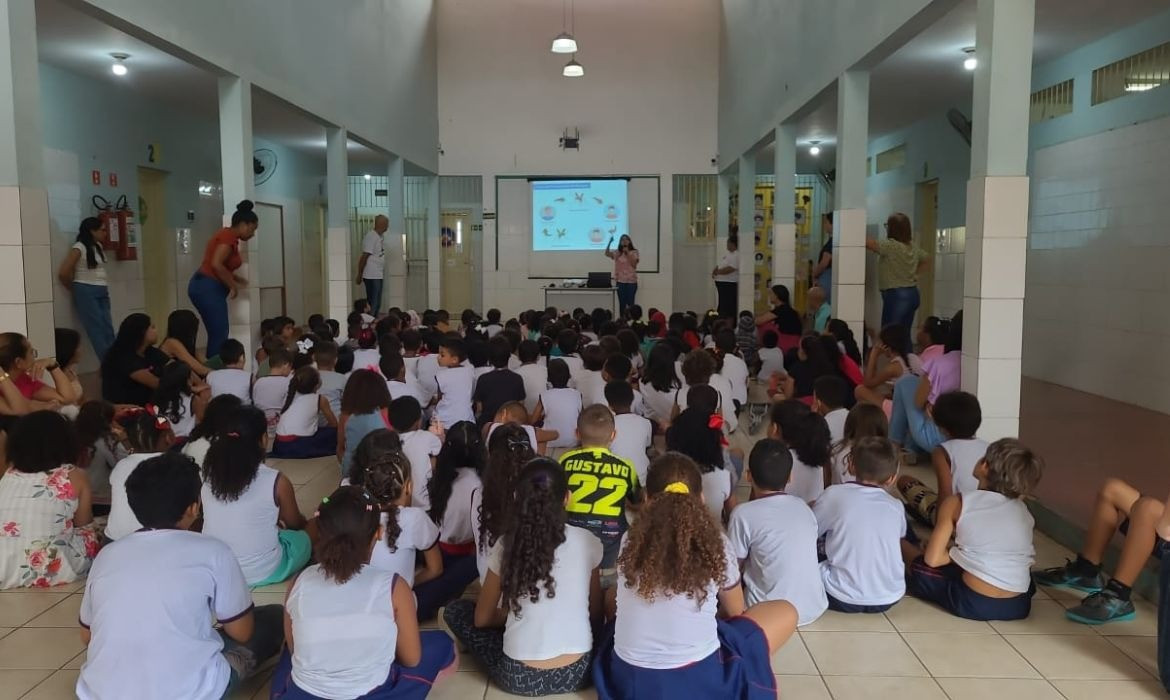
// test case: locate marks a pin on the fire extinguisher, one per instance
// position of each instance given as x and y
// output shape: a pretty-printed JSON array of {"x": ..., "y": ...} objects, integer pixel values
[
  {"x": 105, "y": 213},
  {"x": 119, "y": 221}
]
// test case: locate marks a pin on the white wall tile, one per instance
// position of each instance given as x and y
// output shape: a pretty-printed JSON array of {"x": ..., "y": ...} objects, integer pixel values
[
  {"x": 38, "y": 273},
  {"x": 10, "y": 225},
  {"x": 12, "y": 274},
  {"x": 12, "y": 318}
]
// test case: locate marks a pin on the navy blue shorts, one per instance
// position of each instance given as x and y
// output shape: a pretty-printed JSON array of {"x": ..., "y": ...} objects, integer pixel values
[
  {"x": 843, "y": 607},
  {"x": 944, "y": 586},
  {"x": 1159, "y": 543}
]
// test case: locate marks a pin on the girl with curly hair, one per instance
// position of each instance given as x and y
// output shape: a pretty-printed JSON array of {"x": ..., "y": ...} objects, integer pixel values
[
  {"x": 382, "y": 470},
  {"x": 532, "y": 622},
  {"x": 508, "y": 451},
  {"x": 681, "y": 629},
  {"x": 350, "y": 628}
]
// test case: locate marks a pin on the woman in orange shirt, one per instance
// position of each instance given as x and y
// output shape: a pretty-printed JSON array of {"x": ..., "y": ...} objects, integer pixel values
[{"x": 216, "y": 280}]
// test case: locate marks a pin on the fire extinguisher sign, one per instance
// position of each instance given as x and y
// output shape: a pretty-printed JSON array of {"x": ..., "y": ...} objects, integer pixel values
[
  {"x": 113, "y": 179},
  {"x": 96, "y": 177}
]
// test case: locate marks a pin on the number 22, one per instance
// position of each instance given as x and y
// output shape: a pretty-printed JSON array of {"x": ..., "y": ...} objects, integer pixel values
[{"x": 583, "y": 485}]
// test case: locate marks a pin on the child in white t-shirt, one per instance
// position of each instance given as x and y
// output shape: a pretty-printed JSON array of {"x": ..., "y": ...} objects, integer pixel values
[
  {"x": 454, "y": 382},
  {"x": 540, "y": 646},
  {"x": 456, "y": 477},
  {"x": 863, "y": 527},
  {"x": 352, "y": 627},
  {"x": 559, "y": 406},
  {"x": 233, "y": 378},
  {"x": 217, "y": 413},
  {"x": 509, "y": 449},
  {"x": 807, "y": 436},
  {"x": 864, "y": 420},
  {"x": 633, "y": 434},
  {"x": 534, "y": 374},
  {"x": 332, "y": 381},
  {"x": 297, "y": 433},
  {"x": 398, "y": 382},
  {"x": 696, "y": 433},
  {"x": 589, "y": 381},
  {"x": 771, "y": 357},
  {"x": 619, "y": 368},
  {"x": 958, "y": 417},
  {"x": 734, "y": 369},
  {"x": 148, "y": 436},
  {"x": 774, "y": 535},
  {"x": 513, "y": 412},
  {"x": 151, "y": 597},
  {"x": 667, "y": 632},
  {"x": 830, "y": 393},
  {"x": 269, "y": 392},
  {"x": 175, "y": 400},
  {"x": 420, "y": 446}
]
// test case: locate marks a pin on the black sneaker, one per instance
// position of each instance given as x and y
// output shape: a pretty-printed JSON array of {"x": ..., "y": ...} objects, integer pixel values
[
  {"x": 1101, "y": 607},
  {"x": 1067, "y": 577}
]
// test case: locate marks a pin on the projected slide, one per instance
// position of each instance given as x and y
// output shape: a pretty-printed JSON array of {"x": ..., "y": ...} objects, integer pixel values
[{"x": 578, "y": 214}]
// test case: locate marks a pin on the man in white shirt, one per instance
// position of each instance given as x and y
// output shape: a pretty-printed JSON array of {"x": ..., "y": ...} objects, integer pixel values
[
  {"x": 372, "y": 264},
  {"x": 726, "y": 276}
]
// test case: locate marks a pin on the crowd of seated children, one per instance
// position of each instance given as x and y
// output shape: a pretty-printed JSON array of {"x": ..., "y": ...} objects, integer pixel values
[
  {"x": 409, "y": 535},
  {"x": 46, "y": 515},
  {"x": 532, "y": 622},
  {"x": 697, "y": 433},
  {"x": 365, "y": 407},
  {"x": 457, "y": 473},
  {"x": 807, "y": 435},
  {"x": 250, "y": 506},
  {"x": 774, "y": 536},
  {"x": 864, "y": 420},
  {"x": 144, "y": 615},
  {"x": 985, "y": 574},
  {"x": 863, "y": 527},
  {"x": 680, "y": 627},
  {"x": 298, "y": 432},
  {"x": 958, "y": 417}
]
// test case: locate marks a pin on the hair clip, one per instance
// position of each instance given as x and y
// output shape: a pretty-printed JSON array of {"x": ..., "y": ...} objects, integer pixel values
[
  {"x": 677, "y": 487},
  {"x": 369, "y": 507},
  {"x": 151, "y": 409},
  {"x": 325, "y": 500},
  {"x": 161, "y": 423},
  {"x": 305, "y": 346},
  {"x": 232, "y": 434},
  {"x": 715, "y": 422},
  {"x": 374, "y": 368}
]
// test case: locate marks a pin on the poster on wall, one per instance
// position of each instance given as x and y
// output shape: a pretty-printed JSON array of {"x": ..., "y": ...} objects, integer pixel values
[{"x": 765, "y": 195}]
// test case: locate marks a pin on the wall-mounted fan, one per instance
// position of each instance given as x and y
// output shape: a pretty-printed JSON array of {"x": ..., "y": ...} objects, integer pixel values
[
  {"x": 263, "y": 164},
  {"x": 961, "y": 124}
]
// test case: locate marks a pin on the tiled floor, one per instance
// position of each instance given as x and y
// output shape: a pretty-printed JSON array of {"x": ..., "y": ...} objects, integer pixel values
[{"x": 912, "y": 652}]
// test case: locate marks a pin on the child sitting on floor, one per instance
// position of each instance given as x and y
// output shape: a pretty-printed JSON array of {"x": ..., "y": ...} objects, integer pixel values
[
  {"x": 532, "y": 622},
  {"x": 633, "y": 433},
  {"x": 147, "y": 436},
  {"x": 270, "y": 392},
  {"x": 365, "y": 407},
  {"x": 332, "y": 381},
  {"x": 352, "y": 629},
  {"x": 297, "y": 433},
  {"x": 696, "y": 433},
  {"x": 559, "y": 406},
  {"x": 513, "y": 412},
  {"x": 420, "y": 446},
  {"x": 807, "y": 435},
  {"x": 250, "y": 506},
  {"x": 151, "y": 598},
  {"x": 454, "y": 383},
  {"x": 830, "y": 393},
  {"x": 103, "y": 445},
  {"x": 233, "y": 378},
  {"x": 958, "y": 417},
  {"x": 218, "y": 411},
  {"x": 174, "y": 400},
  {"x": 864, "y": 420},
  {"x": 984, "y": 576},
  {"x": 509, "y": 450},
  {"x": 863, "y": 527}
]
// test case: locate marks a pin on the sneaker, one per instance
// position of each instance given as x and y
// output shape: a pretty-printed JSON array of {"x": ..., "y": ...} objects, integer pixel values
[
  {"x": 1067, "y": 577},
  {"x": 242, "y": 661},
  {"x": 1101, "y": 607}
]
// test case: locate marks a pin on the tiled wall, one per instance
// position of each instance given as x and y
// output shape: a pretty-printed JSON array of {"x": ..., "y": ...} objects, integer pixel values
[
  {"x": 1097, "y": 312},
  {"x": 948, "y": 271}
]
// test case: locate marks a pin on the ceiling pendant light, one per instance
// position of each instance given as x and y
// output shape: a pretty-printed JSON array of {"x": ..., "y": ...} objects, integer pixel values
[
  {"x": 119, "y": 67},
  {"x": 573, "y": 69},
  {"x": 815, "y": 148},
  {"x": 564, "y": 42},
  {"x": 970, "y": 62}
]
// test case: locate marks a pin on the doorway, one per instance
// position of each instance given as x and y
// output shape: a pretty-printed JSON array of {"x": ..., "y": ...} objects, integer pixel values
[
  {"x": 926, "y": 200},
  {"x": 158, "y": 246},
  {"x": 268, "y": 268},
  {"x": 457, "y": 271}
]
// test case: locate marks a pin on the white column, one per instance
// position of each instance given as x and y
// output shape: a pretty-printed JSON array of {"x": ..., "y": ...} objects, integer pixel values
[
  {"x": 747, "y": 233},
  {"x": 434, "y": 247},
  {"x": 849, "y": 215},
  {"x": 395, "y": 292},
  {"x": 783, "y": 210},
  {"x": 27, "y": 272},
  {"x": 997, "y": 214},
  {"x": 341, "y": 260},
  {"x": 235, "y": 153}
]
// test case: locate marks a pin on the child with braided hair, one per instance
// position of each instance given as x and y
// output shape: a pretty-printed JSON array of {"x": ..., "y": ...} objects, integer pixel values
[
  {"x": 532, "y": 622},
  {"x": 509, "y": 449}
]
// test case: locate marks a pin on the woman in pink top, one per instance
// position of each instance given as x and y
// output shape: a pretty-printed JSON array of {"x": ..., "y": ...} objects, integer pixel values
[
  {"x": 911, "y": 423},
  {"x": 625, "y": 270}
]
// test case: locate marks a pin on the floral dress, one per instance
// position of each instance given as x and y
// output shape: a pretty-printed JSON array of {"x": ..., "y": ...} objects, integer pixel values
[{"x": 39, "y": 546}]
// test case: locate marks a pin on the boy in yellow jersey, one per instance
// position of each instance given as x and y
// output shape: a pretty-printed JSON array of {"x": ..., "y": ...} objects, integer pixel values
[{"x": 601, "y": 484}]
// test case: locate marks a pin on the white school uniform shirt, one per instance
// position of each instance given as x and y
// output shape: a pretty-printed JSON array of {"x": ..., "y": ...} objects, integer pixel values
[
  {"x": 457, "y": 523},
  {"x": 726, "y": 403},
  {"x": 535, "y": 378},
  {"x": 807, "y": 483},
  {"x": 657, "y": 404},
  {"x": 248, "y": 524},
  {"x": 411, "y": 364},
  {"x": 456, "y": 384},
  {"x": 425, "y": 370},
  {"x": 372, "y": 245},
  {"x": 332, "y": 387},
  {"x": 633, "y": 438},
  {"x": 367, "y": 358},
  {"x": 576, "y": 367},
  {"x": 122, "y": 520},
  {"x": 236, "y": 382},
  {"x": 729, "y": 259},
  {"x": 561, "y": 409},
  {"x": 836, "y": 420},
  {"x": 345, "y": 634},
  {"x": 592, "y": 387},
  {"x": 186, "y": 423},
  {"x": 149, "y": 602},
  {"x": 673, "y": 630},
  {"x": 771, "y": 361},
  {"x": 840, "y": 459},
  {"x": 419, "y": 446},
  {"x": 300, "y": 419},
  {"x": 716, "y": 489},
  {"x": 197, "y": 450},
  {"x": 513, "y": 362},
  {"x": 964, "y": 455},
  {"x": 735, "y": 370},
  {"x": 268, "y": 395},
  {"x": 863, "y": 526},
  {"x": 398, "y": 389},
  {"x": 777, "y": 536},
  {"x": 558, "y": 625},
  {"x": 418, "y": 534},
  {"x": 993, "y": 540},
  {"x": 528, "y": 430}
]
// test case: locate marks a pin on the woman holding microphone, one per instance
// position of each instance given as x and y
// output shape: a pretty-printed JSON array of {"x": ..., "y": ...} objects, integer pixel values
[{"x": 625, "y": 270}]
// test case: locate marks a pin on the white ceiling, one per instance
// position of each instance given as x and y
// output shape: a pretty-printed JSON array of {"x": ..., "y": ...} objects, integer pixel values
[
  {"x": 926, "y": 75},
  {"x": 70, "y": 39}
]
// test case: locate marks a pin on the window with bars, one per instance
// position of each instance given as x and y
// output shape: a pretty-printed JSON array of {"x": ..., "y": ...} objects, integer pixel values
[
  {"x": 890, "y": 159},
  {"x": 1052, "y": 102},
  {"x": 1140, "y": 72}
]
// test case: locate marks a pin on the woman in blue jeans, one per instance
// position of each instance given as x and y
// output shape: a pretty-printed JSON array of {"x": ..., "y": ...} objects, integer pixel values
[
  {"x": 216, "y": 280},
  {"x": 899, "y": 264},
  {"x": 83, "y": 273},
  {"x": 625, "y": 271}
]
